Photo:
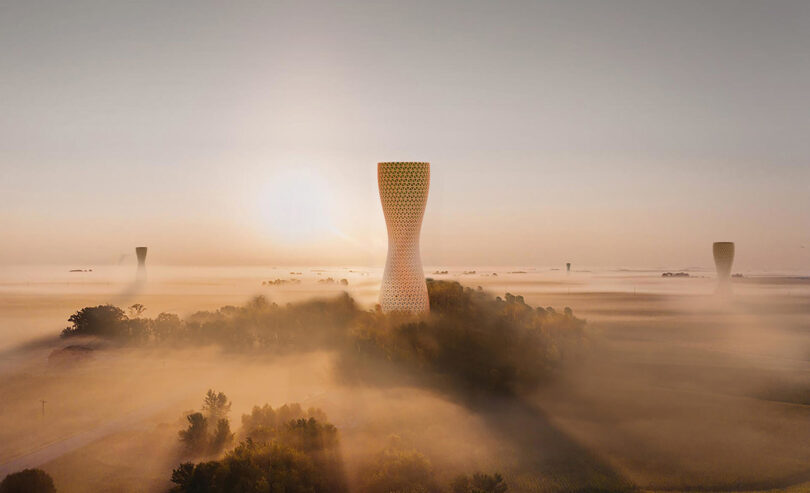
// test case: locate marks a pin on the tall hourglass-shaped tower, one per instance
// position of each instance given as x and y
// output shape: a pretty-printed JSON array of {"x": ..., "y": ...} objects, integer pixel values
[
  {"x": 140, "y": 252},
  {"x": 723, "y": 259},
  {"x": 403, "y": 192}
]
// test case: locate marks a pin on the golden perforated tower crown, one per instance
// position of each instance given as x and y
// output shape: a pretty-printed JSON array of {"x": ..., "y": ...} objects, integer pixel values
[{"x": 403, "y": 193}]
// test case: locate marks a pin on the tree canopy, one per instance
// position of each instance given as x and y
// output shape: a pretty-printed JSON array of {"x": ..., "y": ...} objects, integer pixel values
[
  {"x": 28, "y": 481},
  {"x": 470, "y": 339},
  {"x": 298, "y": 455}
]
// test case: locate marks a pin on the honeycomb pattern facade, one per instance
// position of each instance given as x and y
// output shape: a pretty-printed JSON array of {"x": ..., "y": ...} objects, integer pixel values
[
  {"x": 403, "y": 193},
  {"x": 723, "y": 260}
]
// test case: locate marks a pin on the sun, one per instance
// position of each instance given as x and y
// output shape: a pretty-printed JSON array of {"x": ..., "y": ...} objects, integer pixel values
[{"x": 295, "y": 205}]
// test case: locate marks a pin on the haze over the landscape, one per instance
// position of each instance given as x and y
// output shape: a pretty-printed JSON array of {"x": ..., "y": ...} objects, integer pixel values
[
  {"x": 404, "y": 246},
  {"x": 623, "y": 133}
]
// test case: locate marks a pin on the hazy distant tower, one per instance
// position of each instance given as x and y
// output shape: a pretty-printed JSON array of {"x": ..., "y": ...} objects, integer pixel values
[
  {"x": 403, "y": 192},
  {"x": 723, "y": 258},
  {"x": 568, "y": 267},
  {"x": 140, "y": 252}
]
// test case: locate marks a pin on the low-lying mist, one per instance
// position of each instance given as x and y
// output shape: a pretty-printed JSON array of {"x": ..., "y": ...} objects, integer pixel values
[{"x": 481, "y": 394}]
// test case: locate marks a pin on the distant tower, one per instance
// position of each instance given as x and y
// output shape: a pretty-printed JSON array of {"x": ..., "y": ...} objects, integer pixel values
[
  {"x": 403, "y": 193},
  {"x": 140, "y": 252},
  {"x": 723, "y": 258},
  {"x": 568, "y": 267}
]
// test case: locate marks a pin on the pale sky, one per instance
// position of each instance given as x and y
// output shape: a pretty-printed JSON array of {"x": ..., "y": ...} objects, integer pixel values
[{"x": 607, "y": 133}]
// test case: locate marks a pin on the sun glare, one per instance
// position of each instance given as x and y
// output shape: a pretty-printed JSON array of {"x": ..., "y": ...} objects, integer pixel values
[{"x": 295, "y": 205}]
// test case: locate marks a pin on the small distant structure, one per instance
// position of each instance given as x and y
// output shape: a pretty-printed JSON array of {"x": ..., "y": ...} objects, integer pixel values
[
  {"x": 568, "y": 267},
  {"x": 279, "y": 282},
  {"x": 329, "y": 280},
  {"x": 723, "y": 260},
  {"x": 140, "y": 252},
  {"x": 675, "y": 274}
]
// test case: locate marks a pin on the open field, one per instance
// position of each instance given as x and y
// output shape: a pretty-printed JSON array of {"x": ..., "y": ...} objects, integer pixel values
[{"x": 681, "y": 390}]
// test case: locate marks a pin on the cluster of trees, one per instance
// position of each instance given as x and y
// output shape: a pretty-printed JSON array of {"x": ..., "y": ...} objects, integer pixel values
[
  {"x": 209, "y": 431},
  {"x": 291, "y": 450},
  {"x": 469, "y": 337},
  {"x": 253, "y": 468},
  {"x": 472, "y": 340},
  {"x": 265, "y": 423},
  {"x": 257, "y": 325},
  {"x": 283, "y": 450},
  {"x": 108, "y": 322},
  {"x": 295, "y": 455}
]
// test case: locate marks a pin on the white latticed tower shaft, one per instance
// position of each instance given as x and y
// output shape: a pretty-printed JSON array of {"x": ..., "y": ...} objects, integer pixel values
[{"x": 403, "y": 192}]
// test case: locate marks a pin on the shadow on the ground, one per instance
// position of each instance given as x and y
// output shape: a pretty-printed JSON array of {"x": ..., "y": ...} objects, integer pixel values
[{"x": 559, "y": 463}]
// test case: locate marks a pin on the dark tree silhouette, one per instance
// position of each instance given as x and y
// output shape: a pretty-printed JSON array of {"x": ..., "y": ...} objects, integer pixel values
[
  {"x": 28, "y": 481},
  {"x": 195, "y": 437},
  {"x": 106, "y": 321}
]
